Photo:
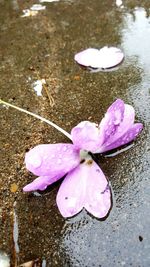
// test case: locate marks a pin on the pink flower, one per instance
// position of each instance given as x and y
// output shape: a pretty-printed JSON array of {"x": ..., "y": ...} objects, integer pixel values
[
  {"x": 85, "y": 185},
  {"x": 104, "y": 58}
]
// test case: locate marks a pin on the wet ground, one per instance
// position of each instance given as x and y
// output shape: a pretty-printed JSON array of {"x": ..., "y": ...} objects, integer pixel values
[{"x": 43, "y": 47}]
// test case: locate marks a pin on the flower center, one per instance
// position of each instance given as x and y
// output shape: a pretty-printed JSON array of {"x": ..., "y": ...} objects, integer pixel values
[{"x": 84, "y": 156}]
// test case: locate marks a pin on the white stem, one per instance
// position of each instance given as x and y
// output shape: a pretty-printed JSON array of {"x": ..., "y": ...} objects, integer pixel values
[{"x": 38, "y": 117}]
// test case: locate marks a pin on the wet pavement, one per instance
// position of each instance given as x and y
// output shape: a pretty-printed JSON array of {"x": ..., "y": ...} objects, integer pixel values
[{"x": 43, "y": 47}]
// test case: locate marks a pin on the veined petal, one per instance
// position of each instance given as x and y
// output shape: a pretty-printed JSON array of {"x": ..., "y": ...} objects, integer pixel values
[
  {"x": 52, "y": 159},
  {"x": 117, "y": 109},
  {"x": 41, "y": 183},
  {"x": 85, "y": 136},
  {"x": 113, "y": 117},
  {"x": 126, "y": 123},
  {"x": 97, "y": 199},
  {"x": 129, "y": 136},
  {"x": 70, "y": 196},
  {"x": 85, "y": 186}
]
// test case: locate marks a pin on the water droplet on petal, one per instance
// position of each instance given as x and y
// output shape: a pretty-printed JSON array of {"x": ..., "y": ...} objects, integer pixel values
[
  {"x": 64, "y": 148},
  {"x": 116, "y": 122},
  {"x": 59, "y": 161},
  {"x": 71, "y": 202},
  {"x": 35, "y": 160}
]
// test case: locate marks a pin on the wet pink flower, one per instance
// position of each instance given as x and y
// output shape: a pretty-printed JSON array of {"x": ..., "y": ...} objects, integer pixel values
[
  {"x": 85, "y": 185},
  {"x": 104, "y": 58}
]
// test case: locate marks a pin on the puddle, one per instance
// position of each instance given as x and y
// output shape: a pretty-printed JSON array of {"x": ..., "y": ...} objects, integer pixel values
[{"x": 46, "y": 45}]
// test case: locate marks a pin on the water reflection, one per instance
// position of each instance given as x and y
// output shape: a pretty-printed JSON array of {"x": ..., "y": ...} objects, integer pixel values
[
  {"x": 136, "y": 43},
  {"x": 137, "y": 31},
  {"x": 86, "y": 240},
  {"x": 64, "y": 30}
]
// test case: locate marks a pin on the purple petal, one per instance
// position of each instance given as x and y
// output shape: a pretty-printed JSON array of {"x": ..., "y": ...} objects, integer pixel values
[
  {"x": 117, "y": 108},
  {"x": 129, "y": 136},
  {"x": 121, "y": 129},
  {"x": 98, "y": 195},
  {"x": 87, "y": 57},
  {"x": 85, "y": 186},
  {"x": 105, "y": 57},
  {"x": 112, "y": 119},
  {"x": 70, "y": 197},
  {"x": 85, "y": 136},
  {"x": 41, "y": 183},
  {"x": 52, "y": 160}
]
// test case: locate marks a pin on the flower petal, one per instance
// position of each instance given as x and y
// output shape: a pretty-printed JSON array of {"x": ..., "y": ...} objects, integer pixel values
[
  {"x": 70, "y": 196},
  {"x": 52, "y": 159},
  {"x": 41, "y": 183},
  {"x": 112, "y": 119},
  {"x": 105, "y": 57},
  {"x": 129, "y": 136},
  {"x": 88, "y": 57},
  {"x": 97, "y": 199},
  {"x": 85, "y": 136},
  {"x": 121, "y": 128},
  {"x": 85, "y": 186}
]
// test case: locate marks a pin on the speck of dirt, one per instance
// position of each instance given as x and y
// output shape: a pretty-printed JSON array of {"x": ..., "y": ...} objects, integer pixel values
[{"x": 140, "y": 238}]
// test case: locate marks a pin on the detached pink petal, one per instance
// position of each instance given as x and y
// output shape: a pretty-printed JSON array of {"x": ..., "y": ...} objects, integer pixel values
[
  {"x": 85, "y": 136},
  {"x": 105, "y": 57},
  {"x": 129, "y": 136},
  {"x": 84, "y": 187},
  {"x": 52, "y": 160},
  {"x": 41, "y": 183}
]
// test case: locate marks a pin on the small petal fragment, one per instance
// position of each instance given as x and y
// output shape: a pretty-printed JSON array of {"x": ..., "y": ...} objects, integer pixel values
[
  {"x": 37, "y": 7},
  {"x": 41, "y": 183},
  {"x": 38, "y": 86},
  {"x": 106, "y": 57},
  {"x": 52, "y": 159},
  {"x": 85, "y": 136},
  {"x": 48, "y": 1},
  {"x": 84, "y": 187},
  {"x": 29, "y": 13},
  {"x": 119, "y": 3},
  {"x": 33, "y": 10}
]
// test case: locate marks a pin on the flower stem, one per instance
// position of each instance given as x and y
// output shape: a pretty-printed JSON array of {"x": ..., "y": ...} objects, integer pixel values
[{"x": 37, "y": 117}]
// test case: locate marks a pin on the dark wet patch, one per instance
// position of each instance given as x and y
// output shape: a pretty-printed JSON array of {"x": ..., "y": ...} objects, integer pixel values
[{"x": 44, "y": 46}]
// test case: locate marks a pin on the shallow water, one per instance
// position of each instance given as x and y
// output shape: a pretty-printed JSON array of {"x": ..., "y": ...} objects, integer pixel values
[{"x": 43, "y": 47}]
